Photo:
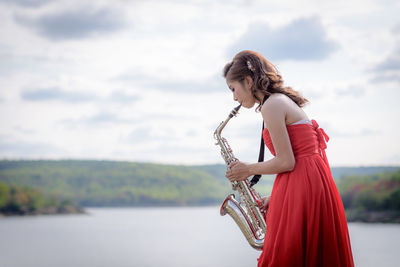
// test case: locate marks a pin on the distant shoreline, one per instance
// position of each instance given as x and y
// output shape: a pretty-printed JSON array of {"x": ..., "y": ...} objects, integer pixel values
[
  {"x": 46, "y": 211},
  {"x": 388, "y": 216},
  {"x": 351, "y": 215}
]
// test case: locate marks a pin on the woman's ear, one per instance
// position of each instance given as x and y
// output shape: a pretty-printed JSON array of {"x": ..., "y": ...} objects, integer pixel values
[{"x": 248, "y": 82}]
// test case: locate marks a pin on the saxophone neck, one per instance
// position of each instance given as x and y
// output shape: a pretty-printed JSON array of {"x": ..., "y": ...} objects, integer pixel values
[{"x": 232, "y": 114}]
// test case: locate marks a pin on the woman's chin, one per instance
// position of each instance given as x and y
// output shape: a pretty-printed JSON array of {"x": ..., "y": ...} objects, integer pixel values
[{"x": 248, "y": 105}]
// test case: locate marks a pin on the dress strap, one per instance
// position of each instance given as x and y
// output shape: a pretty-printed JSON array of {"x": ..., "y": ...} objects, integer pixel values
[
  {"x": 322, "y": 137},
  {"x": 257, "y": 177}
]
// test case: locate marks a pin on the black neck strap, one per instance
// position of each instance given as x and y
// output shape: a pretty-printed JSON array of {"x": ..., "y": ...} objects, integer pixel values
[{"x": 257, "y": 177}]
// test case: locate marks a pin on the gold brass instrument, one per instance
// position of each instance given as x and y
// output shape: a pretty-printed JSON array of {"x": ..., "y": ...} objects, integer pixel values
[{"x": 246, "y": 212}]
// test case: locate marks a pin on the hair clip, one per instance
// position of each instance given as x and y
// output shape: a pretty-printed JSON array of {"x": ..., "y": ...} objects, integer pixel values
[{"x": 250, "y": 66}]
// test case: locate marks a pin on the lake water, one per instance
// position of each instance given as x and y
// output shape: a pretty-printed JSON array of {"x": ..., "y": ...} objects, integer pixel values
[{"x": 120, "y": 237}]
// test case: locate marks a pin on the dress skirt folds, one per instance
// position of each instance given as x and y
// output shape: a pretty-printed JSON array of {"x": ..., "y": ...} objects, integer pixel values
[{"x": 306, "y": 223}]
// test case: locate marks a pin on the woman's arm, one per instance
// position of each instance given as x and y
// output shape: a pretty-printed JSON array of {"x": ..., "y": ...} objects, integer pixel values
[{"x": 273, "y": 112}]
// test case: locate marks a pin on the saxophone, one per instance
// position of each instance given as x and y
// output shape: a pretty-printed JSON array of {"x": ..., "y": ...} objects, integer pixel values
[{"x": 246, "y": 212}]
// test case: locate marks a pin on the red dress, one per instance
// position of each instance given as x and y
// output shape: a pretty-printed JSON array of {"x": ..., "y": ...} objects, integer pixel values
[{"x": 306, "y": 223}]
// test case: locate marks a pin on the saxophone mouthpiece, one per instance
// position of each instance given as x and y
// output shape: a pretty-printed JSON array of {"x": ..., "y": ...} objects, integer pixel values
[{"x": 235, "y": 111}]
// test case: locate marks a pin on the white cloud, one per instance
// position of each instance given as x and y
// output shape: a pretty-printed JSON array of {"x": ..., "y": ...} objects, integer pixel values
[
  {"x": 26, "y": 3},
  {"x": 55, "y": 94},
  {"x": 141, "y": 80},
  {"x": 73, "y": 24},
  {"x": 301, "y": 39}
]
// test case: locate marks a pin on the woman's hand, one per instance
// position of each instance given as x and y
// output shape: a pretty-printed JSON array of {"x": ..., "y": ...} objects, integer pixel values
[
  {"x": 237, "y": 171},
  {"x": 265, "y": 204}
]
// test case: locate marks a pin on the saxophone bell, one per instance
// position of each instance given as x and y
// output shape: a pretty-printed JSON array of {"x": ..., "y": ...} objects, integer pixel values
[{"x": 232, "y": 207}]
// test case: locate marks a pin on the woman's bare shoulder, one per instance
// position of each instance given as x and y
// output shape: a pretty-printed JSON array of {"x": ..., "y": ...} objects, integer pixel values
[
  {"x": 274, "y": 108},
  {"x": 276, "y": 101},
  {"x": 281, "y": 106}
]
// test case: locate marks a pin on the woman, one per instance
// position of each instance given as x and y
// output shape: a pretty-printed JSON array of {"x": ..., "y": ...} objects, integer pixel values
[{"x": 306, "y": 223}]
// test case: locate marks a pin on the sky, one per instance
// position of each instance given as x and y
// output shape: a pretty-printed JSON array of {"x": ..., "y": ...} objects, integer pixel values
[{"x": 142, "y": 80}]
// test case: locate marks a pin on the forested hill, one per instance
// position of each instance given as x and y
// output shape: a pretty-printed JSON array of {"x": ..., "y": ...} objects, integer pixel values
[
  {"x": 111, "y": 183},
  {"x": 339, "y": 172},
  {"x": 114, "y": 183},
  {"x": 371, "y": 198}
]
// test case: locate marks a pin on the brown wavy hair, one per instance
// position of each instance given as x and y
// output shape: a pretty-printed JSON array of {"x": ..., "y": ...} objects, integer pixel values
[{"x": 265, "y": 75}]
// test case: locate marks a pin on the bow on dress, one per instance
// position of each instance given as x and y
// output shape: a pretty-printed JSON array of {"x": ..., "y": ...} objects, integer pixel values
[{"x": 322, "y": 137}]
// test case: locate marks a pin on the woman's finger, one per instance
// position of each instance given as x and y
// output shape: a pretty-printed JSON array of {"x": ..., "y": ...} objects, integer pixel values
[
  {"x": 229, "y": 175},
  {"x": 232, "y": 164}
]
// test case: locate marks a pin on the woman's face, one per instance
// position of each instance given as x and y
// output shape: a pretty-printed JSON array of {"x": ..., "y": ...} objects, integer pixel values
[{"x": 242, "y": 93}]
